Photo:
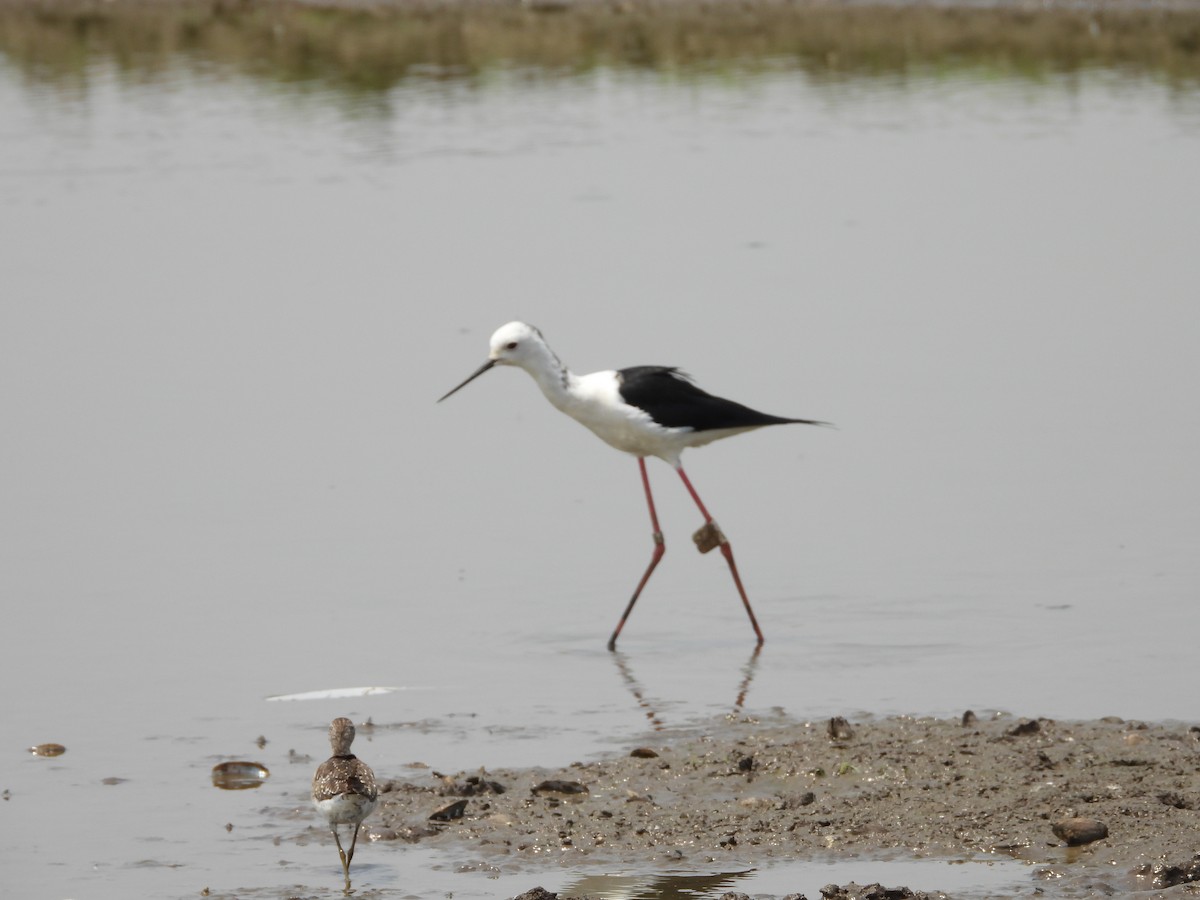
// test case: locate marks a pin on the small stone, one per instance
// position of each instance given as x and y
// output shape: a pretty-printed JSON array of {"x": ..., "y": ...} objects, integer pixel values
[
  {"x": 538, "y": 893},
  {"x": 1165, "y": 875},
  {"x": 969, "y": 718},
  {"x": 839, "y": 729},
  {"x": 796, "y": 801},
  {"x": 874, "y": 891},
  {"x": 1079, "y": 831},
  {"x": 560, "y": 787},
  {"x": 643, "y": 753},
  {"x": 48, "y": 750},
  {"x": 476, "y": 785}
]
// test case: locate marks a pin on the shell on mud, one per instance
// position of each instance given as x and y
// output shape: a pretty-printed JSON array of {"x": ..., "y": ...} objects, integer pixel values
[
  {"x": 449, "y": 813},
  {"x": 239, "y": 775},
  {"x": 48, "y": 750}
]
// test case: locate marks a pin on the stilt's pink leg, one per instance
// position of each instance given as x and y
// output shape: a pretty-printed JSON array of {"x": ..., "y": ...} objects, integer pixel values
[
  {"x": 726, "y": 551},
  {"x": 659, "y": 549}
]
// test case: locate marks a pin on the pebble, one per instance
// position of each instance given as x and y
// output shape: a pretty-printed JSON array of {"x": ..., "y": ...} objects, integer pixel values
[
  {"x": 1165, "y": 875},
  {"x": 839, "y": 729},
  {"x": 538, "y": 893},
  {"x": 560, "y": 787},
  {"x": 1079, "y": 831}
]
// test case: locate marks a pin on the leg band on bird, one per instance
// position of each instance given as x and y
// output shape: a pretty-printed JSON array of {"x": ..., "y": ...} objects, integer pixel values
[
  {"x": 708, "y": 537},
  {"x": 711, "y": 533}
]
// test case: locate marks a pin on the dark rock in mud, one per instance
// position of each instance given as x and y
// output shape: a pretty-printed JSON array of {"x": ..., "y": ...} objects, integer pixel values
[
  {"x": 1026, "y": 727},
  {"x": 839, "y": 729},
  {"x": 1177, "y": 800},
  {"x": 795, "y": 801},
  {"x": 876, "y": 891},
  {"x": 555, "y": 786},
  {"x": 1164, "y": 875},
  {"x": 538, "y": 893},
  {"x": 471, "y": 786},
  {"x": 1078, "y": 831},
  {"x": 643, "y": 753}
]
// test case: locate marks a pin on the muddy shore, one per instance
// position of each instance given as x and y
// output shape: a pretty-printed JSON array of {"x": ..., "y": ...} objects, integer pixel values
[{"x": 879, "y": 788}]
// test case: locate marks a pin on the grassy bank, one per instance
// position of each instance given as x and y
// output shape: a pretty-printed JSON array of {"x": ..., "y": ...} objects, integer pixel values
[{"x": 372, "y": 47}]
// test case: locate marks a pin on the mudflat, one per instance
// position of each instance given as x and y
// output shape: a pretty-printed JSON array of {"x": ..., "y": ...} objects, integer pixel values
[{"x": 1097, "y": 808}]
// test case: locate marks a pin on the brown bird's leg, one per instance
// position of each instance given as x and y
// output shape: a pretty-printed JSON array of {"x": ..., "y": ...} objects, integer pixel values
[
  {"x": 342, "y": 856},
  {"x": 659, "y": 549}
]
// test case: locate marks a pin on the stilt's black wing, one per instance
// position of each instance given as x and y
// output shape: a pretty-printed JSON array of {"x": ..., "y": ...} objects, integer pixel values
[{"x": 672, "y": 401}]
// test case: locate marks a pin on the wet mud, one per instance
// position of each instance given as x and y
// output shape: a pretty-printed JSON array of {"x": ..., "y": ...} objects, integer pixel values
[{"x": 1099, "y": 808}]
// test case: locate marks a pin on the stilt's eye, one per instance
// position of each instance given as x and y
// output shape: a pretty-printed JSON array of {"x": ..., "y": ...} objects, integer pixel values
[{"x": 511, "y": 345}]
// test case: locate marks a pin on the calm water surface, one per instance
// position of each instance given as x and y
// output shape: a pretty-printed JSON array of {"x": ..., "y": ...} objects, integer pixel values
[{"x": 227, "y": 312}]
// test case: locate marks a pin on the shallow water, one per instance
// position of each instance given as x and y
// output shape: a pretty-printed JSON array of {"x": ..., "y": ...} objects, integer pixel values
[{"x": 229, "y": 308}]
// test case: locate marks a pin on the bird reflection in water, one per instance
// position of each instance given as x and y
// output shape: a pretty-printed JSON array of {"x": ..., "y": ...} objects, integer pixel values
[
  {"x": 660, "y": 886},
  {"x": 650, "y": 707}
]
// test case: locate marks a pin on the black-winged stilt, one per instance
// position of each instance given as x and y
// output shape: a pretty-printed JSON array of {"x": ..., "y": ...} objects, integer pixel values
[
  {"x": 344, "y": 790},
  {"x": 645, "y": 411}
]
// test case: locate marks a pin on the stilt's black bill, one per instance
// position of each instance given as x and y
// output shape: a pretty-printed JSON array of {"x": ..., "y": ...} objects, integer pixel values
[{"x": 487, "y": 365}]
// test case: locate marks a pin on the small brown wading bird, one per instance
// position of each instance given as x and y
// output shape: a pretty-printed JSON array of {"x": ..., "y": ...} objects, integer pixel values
[
  {"x": 344, "y": 790},
  {"x": 645, "y": 411}
]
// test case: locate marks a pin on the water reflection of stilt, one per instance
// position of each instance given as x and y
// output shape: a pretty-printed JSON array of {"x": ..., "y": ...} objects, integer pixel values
[
  {"x": 639, "y": 693},
  {"x": 748, "y": 672},
  {"x": 669, "y": 886}
]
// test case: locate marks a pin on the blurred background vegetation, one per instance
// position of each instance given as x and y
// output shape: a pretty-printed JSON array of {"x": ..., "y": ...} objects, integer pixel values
[{"x": 371, "y": 47}]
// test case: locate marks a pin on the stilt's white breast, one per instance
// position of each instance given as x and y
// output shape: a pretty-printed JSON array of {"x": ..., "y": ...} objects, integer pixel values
[{"x": 595, "y": 401}]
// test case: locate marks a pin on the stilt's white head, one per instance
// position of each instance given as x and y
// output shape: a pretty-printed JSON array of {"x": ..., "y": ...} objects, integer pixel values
[{"x": 515, "y": 344}]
